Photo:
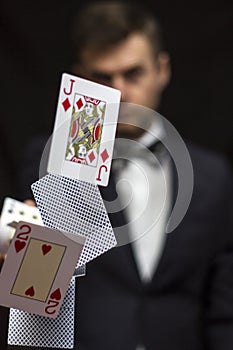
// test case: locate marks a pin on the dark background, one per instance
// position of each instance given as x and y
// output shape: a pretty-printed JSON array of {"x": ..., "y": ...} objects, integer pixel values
[{"x": 35, "y": 50}]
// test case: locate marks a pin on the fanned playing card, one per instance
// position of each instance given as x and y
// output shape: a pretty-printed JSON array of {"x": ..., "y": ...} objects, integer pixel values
[
  {"x": 39, "y": 266},
  {"x": 84, "y": 131},
  {"x": 75, "y": 206},
  {"x": 27, "y": 329},
  {"x": 68, "y": 198}
]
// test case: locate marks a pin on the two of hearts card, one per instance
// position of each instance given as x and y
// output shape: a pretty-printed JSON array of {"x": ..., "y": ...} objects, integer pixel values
[{"x": 45, "y": 263}]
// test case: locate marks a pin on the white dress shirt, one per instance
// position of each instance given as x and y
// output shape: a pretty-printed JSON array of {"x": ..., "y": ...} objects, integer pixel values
[{"x": 144, "y": 188}]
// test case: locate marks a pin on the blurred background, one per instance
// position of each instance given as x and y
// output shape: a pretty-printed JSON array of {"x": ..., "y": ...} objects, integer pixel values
[{"x": 35, "y": 50}]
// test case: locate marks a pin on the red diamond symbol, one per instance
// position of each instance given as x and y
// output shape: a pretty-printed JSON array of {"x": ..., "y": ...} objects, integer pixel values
[
  {"x": 91, "y": 156},
  {"x": 79, "y": 103},
  {"x": 66, "y": 104},
  {"x": 104, "y": 155}
]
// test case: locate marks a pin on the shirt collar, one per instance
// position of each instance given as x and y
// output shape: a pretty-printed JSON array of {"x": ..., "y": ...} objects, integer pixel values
[{"x": 155, "y": 133}]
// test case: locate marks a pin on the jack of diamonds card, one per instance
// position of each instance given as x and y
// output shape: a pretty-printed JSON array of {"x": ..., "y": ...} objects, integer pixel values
[
  {"x": 39, "y": 266},
  {"x": 84, "y": 131}
]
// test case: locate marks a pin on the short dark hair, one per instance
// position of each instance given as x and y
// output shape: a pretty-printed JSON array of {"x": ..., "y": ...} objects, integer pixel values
[{"x": 100, "y": 25}]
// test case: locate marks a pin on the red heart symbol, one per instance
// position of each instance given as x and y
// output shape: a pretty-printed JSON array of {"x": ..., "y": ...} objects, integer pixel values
[
  {"x": 30, "y": 291},
  {"x": 19, "y": 245},
  {"x": 56, "y": 294},
  {"x": 46, "y": 248}
]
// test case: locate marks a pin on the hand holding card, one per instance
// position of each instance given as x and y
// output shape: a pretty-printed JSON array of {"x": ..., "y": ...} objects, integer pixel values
[{"x": 14, "y": 211}]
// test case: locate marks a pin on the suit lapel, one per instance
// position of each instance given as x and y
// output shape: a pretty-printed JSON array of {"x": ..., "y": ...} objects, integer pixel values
[{"x": 122, "y": 256}]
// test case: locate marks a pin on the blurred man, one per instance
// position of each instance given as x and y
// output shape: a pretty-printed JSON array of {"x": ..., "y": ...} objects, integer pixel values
[
  {"x": 162, "y": 291},
  {"x": 186, "y": 301}
]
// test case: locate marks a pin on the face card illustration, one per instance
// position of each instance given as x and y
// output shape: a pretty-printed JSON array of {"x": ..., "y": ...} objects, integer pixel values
[
  {"x": 84, "y": 131},
  {"x": 14, "y": 211},
  {"x": 38, "y": 268}
]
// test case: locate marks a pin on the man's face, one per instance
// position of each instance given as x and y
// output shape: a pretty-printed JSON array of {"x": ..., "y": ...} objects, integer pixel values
[{"x": 131, "y": 67}]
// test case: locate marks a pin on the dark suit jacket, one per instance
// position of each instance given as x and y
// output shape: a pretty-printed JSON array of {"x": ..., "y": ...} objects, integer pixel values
[{"x": 189, "y": 303}]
